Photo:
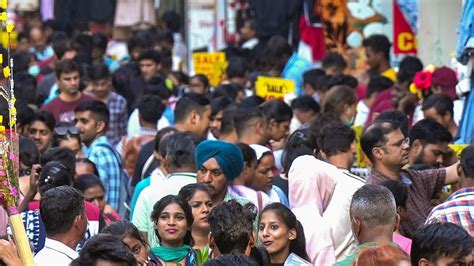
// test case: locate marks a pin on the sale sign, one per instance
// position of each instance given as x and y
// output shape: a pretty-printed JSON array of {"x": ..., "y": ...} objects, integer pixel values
[
  {"x": 458, "y": 148},
  {"x": 213, "y": 65},
  {"x": 273, "y": 88}
]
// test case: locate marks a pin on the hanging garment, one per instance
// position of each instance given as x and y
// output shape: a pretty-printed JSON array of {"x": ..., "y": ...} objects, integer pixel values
[
  {"x": 314, "y": 37},
  {"x": 131, "y": 13}
]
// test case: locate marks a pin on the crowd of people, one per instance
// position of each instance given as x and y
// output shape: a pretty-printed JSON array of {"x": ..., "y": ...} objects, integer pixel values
[{"x": 137, "y": 162}]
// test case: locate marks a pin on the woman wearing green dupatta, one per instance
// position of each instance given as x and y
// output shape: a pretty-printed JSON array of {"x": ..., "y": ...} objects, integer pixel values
[
  {"x": 201, "y": 204},
  {"x": 173, "y": 219}
]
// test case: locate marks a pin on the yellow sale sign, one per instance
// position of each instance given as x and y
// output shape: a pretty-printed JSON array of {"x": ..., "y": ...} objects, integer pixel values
[
  {"x": 273, "y": 88},
  {"x": 458, "y": 148},
  {"x": 213, "y": 65}
]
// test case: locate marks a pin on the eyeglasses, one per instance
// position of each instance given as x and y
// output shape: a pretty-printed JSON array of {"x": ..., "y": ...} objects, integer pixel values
[
  {"x": 400, "y": 142},
  {"x": 61, "y": 131}
]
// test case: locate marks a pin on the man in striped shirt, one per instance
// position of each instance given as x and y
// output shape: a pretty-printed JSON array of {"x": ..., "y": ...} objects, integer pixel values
[{"x": 459, "y": 207}]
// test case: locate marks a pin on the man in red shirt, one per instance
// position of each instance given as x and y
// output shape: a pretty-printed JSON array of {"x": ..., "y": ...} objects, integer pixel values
[{"x": 68, "y": 80}]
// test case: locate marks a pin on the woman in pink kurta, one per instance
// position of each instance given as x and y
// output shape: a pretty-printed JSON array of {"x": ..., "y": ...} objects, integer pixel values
[{"x": 311, "y": 186}]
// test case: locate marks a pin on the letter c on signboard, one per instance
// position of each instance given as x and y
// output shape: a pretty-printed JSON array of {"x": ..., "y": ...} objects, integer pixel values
[{"x": 406, "y": 41}]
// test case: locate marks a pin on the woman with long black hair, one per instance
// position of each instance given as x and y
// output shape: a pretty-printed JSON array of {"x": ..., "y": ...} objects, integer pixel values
[{"x": 281, "y": 234}]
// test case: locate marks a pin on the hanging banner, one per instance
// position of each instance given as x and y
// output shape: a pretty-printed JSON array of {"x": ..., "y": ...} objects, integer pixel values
[
  {"x": 404, "y": 41},
  {"x": 274, "y": 88}
]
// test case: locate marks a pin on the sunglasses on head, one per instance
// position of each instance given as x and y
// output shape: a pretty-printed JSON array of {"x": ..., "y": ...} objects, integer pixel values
[{"x": 61, "y": 131}]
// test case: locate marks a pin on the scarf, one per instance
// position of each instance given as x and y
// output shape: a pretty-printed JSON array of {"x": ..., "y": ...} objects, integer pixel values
[{"x": 171, "y": 254}]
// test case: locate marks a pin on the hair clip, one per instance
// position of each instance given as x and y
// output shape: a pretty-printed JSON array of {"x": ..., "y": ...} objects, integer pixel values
[{"x": 46, "y": 180}]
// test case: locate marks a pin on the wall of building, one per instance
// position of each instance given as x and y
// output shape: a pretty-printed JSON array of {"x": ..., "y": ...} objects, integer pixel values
[{"x": 437, "y": 31}]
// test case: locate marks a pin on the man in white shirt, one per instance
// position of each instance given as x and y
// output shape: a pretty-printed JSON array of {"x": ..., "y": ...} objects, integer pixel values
[
  {"x": 248, "y": 34},
  {"x": 64, "y": 216},
  {"x": 336, "y": 145}
]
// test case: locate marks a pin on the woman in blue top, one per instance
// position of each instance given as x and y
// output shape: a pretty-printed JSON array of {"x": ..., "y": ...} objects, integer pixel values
[{"x": 173, "y": 220}]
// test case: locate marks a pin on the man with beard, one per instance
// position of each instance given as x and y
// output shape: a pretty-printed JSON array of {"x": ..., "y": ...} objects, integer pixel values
[
  {"x": 429, "y": 145},
  {"x": 387, "y": 148},
  {"x": 218, "y": 163}
]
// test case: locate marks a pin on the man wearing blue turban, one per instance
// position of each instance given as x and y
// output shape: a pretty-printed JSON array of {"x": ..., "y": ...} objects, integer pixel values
[{"x": 219, "y": 162}]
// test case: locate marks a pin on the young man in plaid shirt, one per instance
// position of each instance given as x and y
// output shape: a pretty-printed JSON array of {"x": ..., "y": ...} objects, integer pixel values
[
  {"x": 92, "y": 119},
  {"x": 101, "y": 86}
]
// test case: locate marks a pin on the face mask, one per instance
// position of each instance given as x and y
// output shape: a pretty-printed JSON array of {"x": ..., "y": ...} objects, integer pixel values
[
  {"x": 34, "y": 70},
  {"x": 350, "y": 123}
]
